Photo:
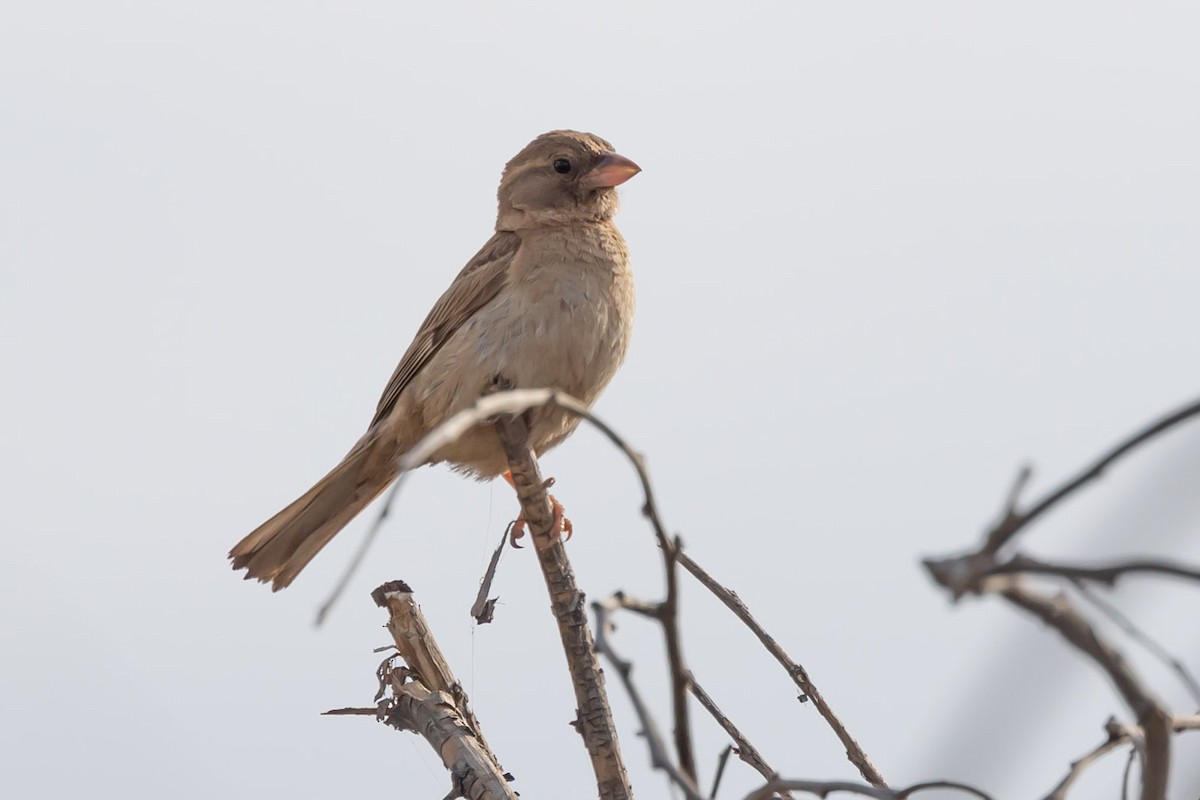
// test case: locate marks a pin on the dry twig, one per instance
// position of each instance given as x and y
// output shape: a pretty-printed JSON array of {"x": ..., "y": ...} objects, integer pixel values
[
  {"x": 659, "y": 759},
  {"x": 984, "y": 571},
  {"x": 428, "y": 700},
  {"x": 1117, "y": 735},
  {"x": 826, "y": 788},
  {"x": 1107, "y": 574},
  {"x": 1015, "y": 520},
  {"x": 595, "y": 721},
  {"x": 799, "y": 675},
  {"x": 746, "y": 751},
  {"x": 1155, "y": 722}
]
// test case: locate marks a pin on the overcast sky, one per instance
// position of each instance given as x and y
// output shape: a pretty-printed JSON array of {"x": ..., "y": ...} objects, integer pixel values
[{"x": 885, "y": 253}]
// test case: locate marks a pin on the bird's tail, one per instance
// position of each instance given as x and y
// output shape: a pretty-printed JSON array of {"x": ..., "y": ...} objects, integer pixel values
[{"x": 278, "y": 549}]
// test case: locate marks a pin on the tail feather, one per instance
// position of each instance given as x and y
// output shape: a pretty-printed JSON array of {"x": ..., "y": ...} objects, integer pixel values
[{"x": 282, "y": 546}]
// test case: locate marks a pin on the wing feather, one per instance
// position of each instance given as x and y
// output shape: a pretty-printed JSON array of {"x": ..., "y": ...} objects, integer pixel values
[{"x": 478, "y": 282}]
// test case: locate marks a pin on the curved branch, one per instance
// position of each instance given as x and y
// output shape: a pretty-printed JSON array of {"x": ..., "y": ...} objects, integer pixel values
[
  {"x": 1155, "y": 723},
  {"x": 826, "y": 788}
]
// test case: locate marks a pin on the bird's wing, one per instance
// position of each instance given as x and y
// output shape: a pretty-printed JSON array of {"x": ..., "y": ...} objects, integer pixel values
[{"x": 473, "y": 288}]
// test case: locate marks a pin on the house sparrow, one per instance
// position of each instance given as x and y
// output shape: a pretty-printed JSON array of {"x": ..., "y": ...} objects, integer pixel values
[{"x": 548, "y": 302}]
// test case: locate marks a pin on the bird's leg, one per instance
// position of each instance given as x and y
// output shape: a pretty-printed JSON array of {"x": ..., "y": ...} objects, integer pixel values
[{"x": 562, "y": 525}]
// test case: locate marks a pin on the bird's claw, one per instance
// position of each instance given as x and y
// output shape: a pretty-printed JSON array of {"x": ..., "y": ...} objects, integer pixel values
[{"x": 561, "y": 526}]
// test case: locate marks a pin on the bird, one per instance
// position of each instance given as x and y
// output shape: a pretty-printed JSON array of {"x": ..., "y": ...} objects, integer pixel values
[{"x": 547, "y": 302}]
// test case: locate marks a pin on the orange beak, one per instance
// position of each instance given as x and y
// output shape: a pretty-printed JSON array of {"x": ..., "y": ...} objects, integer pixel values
[{"x": 610, "y": 171}]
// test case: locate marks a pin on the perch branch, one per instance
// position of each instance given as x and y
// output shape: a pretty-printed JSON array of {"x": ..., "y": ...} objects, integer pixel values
[{"x": 595, "y": 721}]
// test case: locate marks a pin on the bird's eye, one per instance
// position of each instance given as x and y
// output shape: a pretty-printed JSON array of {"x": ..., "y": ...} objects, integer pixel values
[{"x": 562, "y": 166}]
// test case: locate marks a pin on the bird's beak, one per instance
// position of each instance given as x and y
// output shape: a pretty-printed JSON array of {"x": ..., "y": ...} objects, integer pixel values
[{"x": 610, "y": 171}]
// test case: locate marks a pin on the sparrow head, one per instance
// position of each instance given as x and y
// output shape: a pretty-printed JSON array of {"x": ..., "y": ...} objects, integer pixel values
[{"x": 562, "y": 178}]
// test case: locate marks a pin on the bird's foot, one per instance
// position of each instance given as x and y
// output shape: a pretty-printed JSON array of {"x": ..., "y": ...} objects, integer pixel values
[{"x": 561, "y": 527}]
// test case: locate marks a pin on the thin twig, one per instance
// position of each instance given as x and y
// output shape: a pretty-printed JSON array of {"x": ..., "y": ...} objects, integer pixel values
[
  {"x": 680, "y": 676},
  {"x": 799, "y": 675},
  {"x": 826, "y": 788},
  {"x": 356, "y": 560},
  {"x": 658, "y": 752},
  {"x": 1123, "y": 622},
  {"x": 1125, "y": 775},
  {"x": 722, "y": 760},
  {"x": 1117, "y": 736},
  {"x": 745, "y": 751},
  {"x": 1107, "y": 574},
  {"x": 1024, "y": 475},
  {"x": 1015, "y": 521}
]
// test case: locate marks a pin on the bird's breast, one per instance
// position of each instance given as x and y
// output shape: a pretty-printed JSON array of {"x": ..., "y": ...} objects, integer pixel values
[{"x": 570, "y": 312}]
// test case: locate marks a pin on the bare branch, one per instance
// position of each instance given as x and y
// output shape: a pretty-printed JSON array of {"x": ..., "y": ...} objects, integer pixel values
[
  {"x": 742, "y": 746},
  {"x": 1058, "y": 613},
  {"x": 826, "y": 788},
  {"x": 1141, "y": 637},
  {"x": 1118, "y": 735},
  {"x": 428, "y": 700},
  {"x": 681, "y": 678},
  {"x": 416, "y": 645},
  {"x": 722, "y": 760},
  {"x": 745, "y": 751},
  {"x": 1125, "y": 775},
  {"x": 1014, "y": 521},
  {"x": 658, "y": 752},
  {"x": 434, "y": 716},
  {"x": 595, "y": 721},
  {"x": 1107, "y": 574},
  {"x": 798, "y": 674},
  {"x": 1024, "y": 475}
]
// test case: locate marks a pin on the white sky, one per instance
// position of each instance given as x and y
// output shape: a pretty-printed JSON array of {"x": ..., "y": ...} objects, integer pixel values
[{"x": 885, "y": 252}]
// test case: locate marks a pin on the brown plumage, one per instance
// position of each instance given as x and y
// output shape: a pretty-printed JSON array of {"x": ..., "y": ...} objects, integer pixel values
[{"x": 547, "y": 302}]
